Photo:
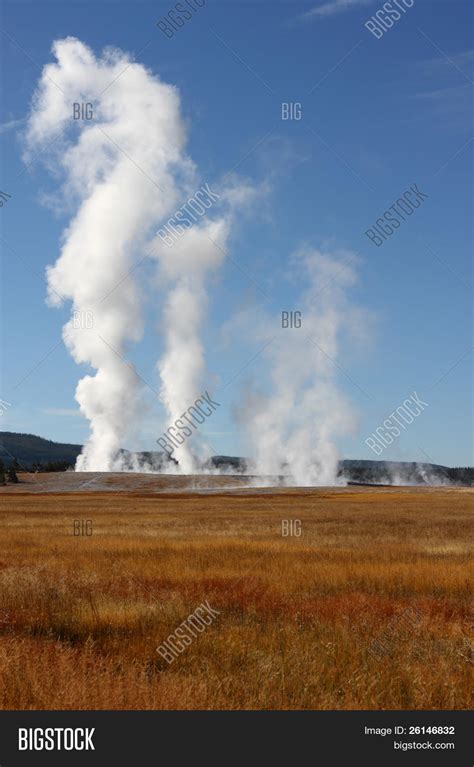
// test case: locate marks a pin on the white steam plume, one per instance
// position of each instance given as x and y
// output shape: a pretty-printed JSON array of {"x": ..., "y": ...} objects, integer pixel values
[
  {"x": 293, "y": 429},
  {"x": 185, "y": 267},
  {"x": 124, "y": 170}
]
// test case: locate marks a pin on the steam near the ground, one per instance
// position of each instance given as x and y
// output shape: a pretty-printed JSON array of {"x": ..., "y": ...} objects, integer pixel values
[{"x": 294, "y": 428}]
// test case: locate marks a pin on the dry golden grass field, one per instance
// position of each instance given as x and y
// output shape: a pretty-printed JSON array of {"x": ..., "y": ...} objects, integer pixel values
[{"x": 302, "y": 619}]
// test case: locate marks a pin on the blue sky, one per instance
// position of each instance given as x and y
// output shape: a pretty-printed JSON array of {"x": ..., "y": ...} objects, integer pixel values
[{"x": 377, "y": 115}]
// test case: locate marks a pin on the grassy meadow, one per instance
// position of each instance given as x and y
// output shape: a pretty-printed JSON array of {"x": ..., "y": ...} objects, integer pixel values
[{"x": 299, "y": 617}]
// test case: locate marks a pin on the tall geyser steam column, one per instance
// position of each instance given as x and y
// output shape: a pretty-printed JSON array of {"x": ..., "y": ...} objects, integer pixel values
[
  {"x": 119, "y": 172},
  {"x": 185, "y": 267}
]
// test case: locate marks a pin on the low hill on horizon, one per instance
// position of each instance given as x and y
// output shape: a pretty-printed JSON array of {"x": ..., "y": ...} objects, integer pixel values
[{"x": 33, "y": 452}]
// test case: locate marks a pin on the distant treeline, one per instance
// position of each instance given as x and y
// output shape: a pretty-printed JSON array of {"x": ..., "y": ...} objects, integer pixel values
[
  {"x": 461, "y": 475},
  {"x": 34, "y": 452},
  {"x": 50, "y": 466},
  {"x": 417, "y": 474},
  {"x": 27, "y": 452},
  {"x": 9, "y": 474}
]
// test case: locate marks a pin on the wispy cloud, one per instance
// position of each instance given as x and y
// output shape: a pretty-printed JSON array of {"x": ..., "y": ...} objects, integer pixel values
[
  {"x": 451, "y": 100},
  {"x": 452, "y": 64},
  {"x": 217, "y": 433},
  {"x": 462, "y": 57},
  {"x": 332, "y": 7},
  {"x": 452, "y": 105},
  {"x": 63, "y": 411},
  {"x": 10, "y": 125}
]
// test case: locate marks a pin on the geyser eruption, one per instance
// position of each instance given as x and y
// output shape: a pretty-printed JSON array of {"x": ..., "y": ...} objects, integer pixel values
[
  {"x": 182, "y": 365},
  {"x": 115, "y": 135},
  {"x": 122, "y": 171},
  {"x": 185, "y": 267},
  {"x": 293, "y": 429}
]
